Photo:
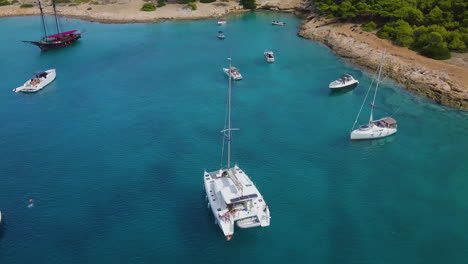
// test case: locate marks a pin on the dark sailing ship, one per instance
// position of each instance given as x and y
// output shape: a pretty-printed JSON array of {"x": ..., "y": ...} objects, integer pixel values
[{"x": 59, "y": 40}]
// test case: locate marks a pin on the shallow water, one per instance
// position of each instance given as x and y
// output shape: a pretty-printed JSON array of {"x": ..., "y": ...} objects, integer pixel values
[{"x": 114, "y": 150}]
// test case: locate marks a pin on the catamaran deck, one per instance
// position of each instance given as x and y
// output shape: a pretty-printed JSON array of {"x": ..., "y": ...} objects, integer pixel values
[{"x": 233, "y": 196}]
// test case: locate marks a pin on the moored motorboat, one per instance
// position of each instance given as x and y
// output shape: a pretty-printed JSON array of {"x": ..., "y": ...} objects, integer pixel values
[
  {"x": 221, "y": 35},
  {"x": 233, "y": 72},
  {"x": 269, "y": 56},
  {"x": 222, "y": 22},
  {"x": 40, "y": 80},
  {"x": 232, "y": 196},
  {"x": 278, "y": 23},
  {"x": 380, "y": 128},
  {"x": 346, "y": 81}
]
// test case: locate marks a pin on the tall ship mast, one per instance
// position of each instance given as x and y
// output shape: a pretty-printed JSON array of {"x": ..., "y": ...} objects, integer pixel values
[
  {"x": 232, "y": 196},
  {"x": 58, "y": 40}
]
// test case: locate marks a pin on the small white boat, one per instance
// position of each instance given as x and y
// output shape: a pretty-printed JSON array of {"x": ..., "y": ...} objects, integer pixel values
[
  {"x": 41, "y": 80},
  {"x": 278, "y": 23},
  {"x": 346, "y": 81},
  {"x": 235, "y": 74},
  {"x": 222, "y": 22},
  {"x": 380, "y": 128},
  {"x": 221, "y": 35},
  {"x": 269, "y": 56}
]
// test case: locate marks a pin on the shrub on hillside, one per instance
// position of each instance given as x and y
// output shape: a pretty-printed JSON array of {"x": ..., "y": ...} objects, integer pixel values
[
  {"x": 4, "y": 2},
  {"x": 193, "y": 5},
  {"x": 26, "y": 5},
  {"x": 369, "y": 27},
  {"x": 207, "y": 1},
  {"x": 161, "y": 3},
  {"x": 148, "y": 7},
  {"x": 249, "y": 4}
]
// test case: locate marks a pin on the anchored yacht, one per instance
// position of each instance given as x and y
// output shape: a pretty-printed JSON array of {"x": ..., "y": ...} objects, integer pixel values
[
  {"x": 346, "y": 81},
  {"x": 233, "y": 72},
  {"x": 269, "y": 56},
  {"x": 232, "y": 196},
  {"x": 41, "y": 80},
  {"x": 278, "y": 23},
  {"x": 221, "y": 35},
  {"x": 380, "y": 128}
]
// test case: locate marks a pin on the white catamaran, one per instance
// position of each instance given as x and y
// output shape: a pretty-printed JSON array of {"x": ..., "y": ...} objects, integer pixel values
[
  {"x": 380, "y": 128},
  {"x": 232, "y": 196}
]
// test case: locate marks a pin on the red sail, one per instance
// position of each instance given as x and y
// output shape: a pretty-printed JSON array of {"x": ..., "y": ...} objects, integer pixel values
[{"x": 62, "y": 34}]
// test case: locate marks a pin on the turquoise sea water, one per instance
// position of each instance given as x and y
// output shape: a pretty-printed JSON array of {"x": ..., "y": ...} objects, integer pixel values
[{"x": 114, "y": 150}]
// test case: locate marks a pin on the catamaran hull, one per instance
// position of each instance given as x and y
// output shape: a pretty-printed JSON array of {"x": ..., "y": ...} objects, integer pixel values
[
  {"x": 372, "y": 133},
  {"x": 56, "y": 44},
  {"x": 26, "y": 88}
]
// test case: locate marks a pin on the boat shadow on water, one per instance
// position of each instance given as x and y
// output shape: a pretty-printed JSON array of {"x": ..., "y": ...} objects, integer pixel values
[{"x": 341, "y": 92}]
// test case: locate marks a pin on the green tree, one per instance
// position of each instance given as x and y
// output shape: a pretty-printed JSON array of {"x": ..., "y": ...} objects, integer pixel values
[
  {"x": 435, "y": 16},
  {"x": 249, "y": 4},
  {"x": 457, "y": 44},
  {"x": 437, "y": 48},
  {"x": 148, "y": 7}
]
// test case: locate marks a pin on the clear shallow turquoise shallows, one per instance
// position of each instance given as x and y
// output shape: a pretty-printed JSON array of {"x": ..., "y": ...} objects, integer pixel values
[{"x": 114, "y": 150}]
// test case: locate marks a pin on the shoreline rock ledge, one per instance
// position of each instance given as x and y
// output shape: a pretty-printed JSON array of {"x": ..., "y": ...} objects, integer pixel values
[{"x": 440, "y": 81}]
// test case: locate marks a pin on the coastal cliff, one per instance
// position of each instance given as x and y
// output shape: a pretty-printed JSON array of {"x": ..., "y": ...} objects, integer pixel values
[{"x": 443, "y": 82}]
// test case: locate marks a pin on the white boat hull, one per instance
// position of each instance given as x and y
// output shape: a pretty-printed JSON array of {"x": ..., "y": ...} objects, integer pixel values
[
  {"x": 372, "y": 133},
  {"x": 255, "y": 215},
  {"x": 236, "y": 76},
  {"x": 337, "y": 85},
  {"x": 27, "y": 87},
  {"x": 269, "y": 57}
]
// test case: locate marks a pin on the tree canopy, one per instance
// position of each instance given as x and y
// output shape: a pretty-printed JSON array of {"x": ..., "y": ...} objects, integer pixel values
[{"x": 431, "y": 27}]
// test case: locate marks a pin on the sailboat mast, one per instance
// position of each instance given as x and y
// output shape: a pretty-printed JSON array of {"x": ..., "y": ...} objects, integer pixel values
[
  {"x": 42, "y": 18},
  {"x": 56, "y": 19},
  {"x": 377, "y": 86},
  {"x": 229, "y": 116}
]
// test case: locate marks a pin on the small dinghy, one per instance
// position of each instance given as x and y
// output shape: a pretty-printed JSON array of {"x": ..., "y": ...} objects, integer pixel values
[
  {"x": 269, "y": 56},
  {"x": 235, "y": 74},
  {"x": 221, "y": 35},
  {"x": 278, "y": 23},
  {"x": 222, "y": 22},
  {"x": 248, "y": 222},
  {"x": 346, "y": 81},
  {"x": 41, "y": 80},
  {"x": 0, "y": 217}
]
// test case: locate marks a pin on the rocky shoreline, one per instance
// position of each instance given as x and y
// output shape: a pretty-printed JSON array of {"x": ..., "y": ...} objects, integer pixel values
[{"x": 441, "y": 81}]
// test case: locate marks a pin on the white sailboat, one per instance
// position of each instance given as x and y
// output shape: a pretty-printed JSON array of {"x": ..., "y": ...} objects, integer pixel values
[
  {"x": 232, "y": 196},
  {"x": 380, "y": 128}
]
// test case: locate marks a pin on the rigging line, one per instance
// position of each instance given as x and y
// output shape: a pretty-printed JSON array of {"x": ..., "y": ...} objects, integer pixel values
[
  {"x": 396, "y": 111},
  {"x": 362, "y": 106},
  {"x": 377, "y": 85}
]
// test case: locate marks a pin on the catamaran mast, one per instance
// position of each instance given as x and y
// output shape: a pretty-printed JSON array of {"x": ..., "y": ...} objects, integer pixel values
[
  {"x": 56, "y": 19},
  {"x": 377, "y": 87},
  {"x": 229, "y": 116},
  {"x": 42, "y": 17}
]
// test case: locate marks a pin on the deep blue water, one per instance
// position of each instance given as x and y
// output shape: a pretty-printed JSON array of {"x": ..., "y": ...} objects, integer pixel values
[{"x": 114, "y": 150}]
